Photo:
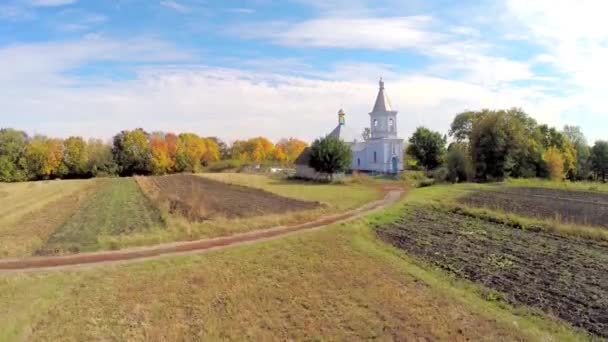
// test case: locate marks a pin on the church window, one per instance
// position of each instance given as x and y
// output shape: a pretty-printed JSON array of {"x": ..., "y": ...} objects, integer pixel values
[
  {"x": 375, "y": 157},
  {"x": 394, "y": 149},
  {"x": 375, "y": 122},
  {"x": 358, "y": 161},
  {"x": 391, "y": 124}
]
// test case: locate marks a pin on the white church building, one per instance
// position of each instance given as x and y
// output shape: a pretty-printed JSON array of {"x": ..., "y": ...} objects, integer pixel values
[{"x": 381, "y": 152}]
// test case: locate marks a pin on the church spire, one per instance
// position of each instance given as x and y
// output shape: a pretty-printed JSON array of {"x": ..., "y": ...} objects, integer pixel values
[
  {"x": 382, "y": 102},
  {"x": 341, "y": 115}
]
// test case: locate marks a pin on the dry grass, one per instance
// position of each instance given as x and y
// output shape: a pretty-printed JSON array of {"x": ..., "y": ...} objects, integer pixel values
[
  {"x": 21, "y": 199},
  {"x": 336, "y": 284},
  {"x": 29, "y": 225}
]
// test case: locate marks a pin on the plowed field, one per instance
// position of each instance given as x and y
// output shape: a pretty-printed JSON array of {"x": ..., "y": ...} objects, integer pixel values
[
  {"x": 579, "y": 207},
  {"x": 563, "y": 276},
  {"x": 200, "y": 199}
]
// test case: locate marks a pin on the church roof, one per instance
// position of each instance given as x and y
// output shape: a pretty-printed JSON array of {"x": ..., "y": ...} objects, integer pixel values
[
  {"x": 304, "y": 157},
  {"x": 383, "y": 104},
  {"x": 344, "y": 133}
]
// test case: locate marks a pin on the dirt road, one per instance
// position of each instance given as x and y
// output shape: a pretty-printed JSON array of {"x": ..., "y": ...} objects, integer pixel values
[{"x": 391, "y": 196}]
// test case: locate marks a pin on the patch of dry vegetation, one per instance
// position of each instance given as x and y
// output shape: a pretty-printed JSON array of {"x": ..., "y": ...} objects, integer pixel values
[
  {"x": 33, "y": 212},
  {"x": 326, "y": 284}
]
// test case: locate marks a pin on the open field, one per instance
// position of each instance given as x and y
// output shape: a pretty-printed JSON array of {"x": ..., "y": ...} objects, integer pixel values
[
  {"x": 59, "y": 217},
  {"x": 118, "y": 207},
  {"x": 21, "y": 199},
  {"x": 577, "y": 207},
  {"x": 338, "y": 283},
  {"x": 30, "y": 212},
  {"x": 526, "y": 262},
  {"x": 335, "y": 196},
  {"x": 199, "y": 199}
]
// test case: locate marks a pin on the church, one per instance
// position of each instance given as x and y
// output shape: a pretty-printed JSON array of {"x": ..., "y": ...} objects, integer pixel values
[{"x": 380, "y": 152}]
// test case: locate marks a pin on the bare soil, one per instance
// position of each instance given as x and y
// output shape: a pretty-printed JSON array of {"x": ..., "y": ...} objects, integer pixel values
[
  {"x": 577, "y": 207},
  {"x": 198, "y": 199},
  {"x": 563, "y": 276}
]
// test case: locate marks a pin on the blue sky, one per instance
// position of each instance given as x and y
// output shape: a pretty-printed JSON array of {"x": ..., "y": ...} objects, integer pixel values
[{"x": 238, "y": 69}]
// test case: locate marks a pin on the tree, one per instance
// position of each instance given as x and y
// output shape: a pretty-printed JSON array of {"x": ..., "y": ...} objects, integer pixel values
[
  {"x": 101, "y": 161},
  {"x": 262, "y": 149},
  {"x": 75, "y": 156},
  {"x": 190, "y": 151},
  {"x": 257, "y": 149},
  {"x": 458, "y": 163},
  {"x": 132, "y": 152},
  {"x": 462, "y": 126},
  {"x": 160, "y": 159},
  {"x": 427, "y": 147},
  {"x": 555, "y": 164},
  {"x": 599, "y": 159},
  {"x": 291, "y": 148},
  {"x": 43, "y": 157},
  {"x": 491, "y": 145},
  {"x": 583, "y": 152},
  {"x": 330, "y": 155},
  {"x": 224, "y": 150},
  {"x": 212, "y": 151},
  {"x": 367, "y": 134},
  {"x": 12, "y": 148},
  {"x": 279, "y": 154}
]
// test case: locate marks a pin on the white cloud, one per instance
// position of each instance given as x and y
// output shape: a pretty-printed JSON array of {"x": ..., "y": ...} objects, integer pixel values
[
  {"x": 234, "y": 104},
  {"x": 176, "y": 6},
  {"x": 51, "y": 3},
  {"x": 353, "y": 33},
  {"x": 452, "y": 49},
  {"x": 44, "y": 64}
]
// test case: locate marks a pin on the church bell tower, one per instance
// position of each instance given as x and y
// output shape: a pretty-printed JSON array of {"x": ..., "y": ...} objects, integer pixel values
[{"x": 383, "y": 120}]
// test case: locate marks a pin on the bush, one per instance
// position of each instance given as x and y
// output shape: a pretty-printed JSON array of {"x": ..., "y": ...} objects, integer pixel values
[
  {"x": 459, "y": 168},
  {"x": 415, "y": 178},
  {"x": 439, "y": 175},
  {"x": 359, "y": 178},
  {"x": 224, "y": 165}
]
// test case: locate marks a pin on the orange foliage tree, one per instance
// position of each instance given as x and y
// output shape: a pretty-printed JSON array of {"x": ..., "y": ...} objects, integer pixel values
[
  {"x": 292, "y": 148},
  {"x": 555, "y": 163},
  {"x": 160, "y": 160}
]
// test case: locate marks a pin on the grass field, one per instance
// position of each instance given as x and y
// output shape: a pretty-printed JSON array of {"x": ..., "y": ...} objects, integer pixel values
[
  {"x": 118, "y": 207},
  {"x": 30, "y": 212},
  {"x": 57, "y": 217},
  {"x": 339, "y": 283}
]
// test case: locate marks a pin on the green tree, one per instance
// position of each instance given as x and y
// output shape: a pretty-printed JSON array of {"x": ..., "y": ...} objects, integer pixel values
[
  {"x": 132, "y": 152},
  {"x": 100, "y": 159},
  {"x": 583, "y": 152},
  {"x": 458, "y": 163},
  {"x": 427, "y": 147},
  {"x": 490, "y": 146},
  {"x": 12, "y": 148},
  {"x": 330, "y": 155},
  {"x": 462, "y": 126},
  {"x": 599, "y": 159},
  {"x": 75, "y": 156}
]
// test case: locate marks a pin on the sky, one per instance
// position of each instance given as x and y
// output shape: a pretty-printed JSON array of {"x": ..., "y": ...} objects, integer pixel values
[{"x": 283, "y": 68}]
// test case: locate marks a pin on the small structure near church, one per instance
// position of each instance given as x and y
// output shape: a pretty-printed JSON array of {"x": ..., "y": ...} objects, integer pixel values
[{"x": 382, "y": 152}]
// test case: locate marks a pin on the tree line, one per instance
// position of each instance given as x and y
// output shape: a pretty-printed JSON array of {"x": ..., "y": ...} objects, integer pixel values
[
  {"x": 130, "y": 152},
  {"x": 490, "y": 145}
]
